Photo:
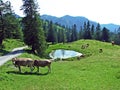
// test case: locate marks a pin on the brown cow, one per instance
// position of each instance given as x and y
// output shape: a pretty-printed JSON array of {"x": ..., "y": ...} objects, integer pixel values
[
  {"x": 113, "y": 43},
  {"x": 100, "y": 50},
  {"x": 42, "y": 63},
  {"x": 23, "y": 62}
]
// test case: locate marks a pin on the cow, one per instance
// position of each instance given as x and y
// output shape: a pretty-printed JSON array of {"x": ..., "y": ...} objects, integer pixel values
[
  {"x": 43, "y": 63},
  {"x": 113, "y": 43},
  {"x": 100, "y": 50},
  {"x": 19, "y": 59},
  {"x": 85, "y": 46},
  {"x": 23, "y": 62}
]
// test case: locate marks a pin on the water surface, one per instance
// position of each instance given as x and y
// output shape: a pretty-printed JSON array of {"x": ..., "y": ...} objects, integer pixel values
[{"x": 64, "y": 54}]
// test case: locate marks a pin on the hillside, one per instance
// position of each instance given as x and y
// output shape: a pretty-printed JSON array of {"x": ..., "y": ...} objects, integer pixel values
[
  {"x": 68, "y": 20},
  {"x": 96, "y": 70},
  {"x": 78, "y": 20}
]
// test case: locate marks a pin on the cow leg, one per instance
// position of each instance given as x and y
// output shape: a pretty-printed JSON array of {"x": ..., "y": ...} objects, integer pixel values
[
  {"x": 49, "y": 68},
  {"x": 38, "y": 69},
  {"x": 19, "y": 69},
  {"x": 32, "y": 68}
]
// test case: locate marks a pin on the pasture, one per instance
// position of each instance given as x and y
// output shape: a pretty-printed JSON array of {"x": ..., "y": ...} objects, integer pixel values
[{"x": 96, "y": 71}]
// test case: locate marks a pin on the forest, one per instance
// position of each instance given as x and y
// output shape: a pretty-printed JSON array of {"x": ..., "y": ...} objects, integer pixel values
[{"x": 37, "y": 33}]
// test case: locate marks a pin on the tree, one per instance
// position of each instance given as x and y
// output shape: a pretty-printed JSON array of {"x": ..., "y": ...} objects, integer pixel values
[
  {"x": 74, "y": 35},
  {"x": 12, "y": 27},
  {"x": 117, "y": 37},
  {"x": 85, "y": 30},
  {"x": 34, "y": 35},
  {"x": 88, "y": 33},
  {"x": 105, "y": 35},
  {"x": 5, "y": 7},
  {"x": 93, "y": 31},
  {"x": 51, "y": 34},
  {"x": 81, "y": 33},
  {"x": 68, "y": 34},
  {"x": 98, "y": 32}
]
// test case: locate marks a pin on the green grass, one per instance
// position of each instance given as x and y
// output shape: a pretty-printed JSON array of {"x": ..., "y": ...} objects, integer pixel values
[
  {"x": 96, "y": 71},
  {"x": 10, "y": 44}
]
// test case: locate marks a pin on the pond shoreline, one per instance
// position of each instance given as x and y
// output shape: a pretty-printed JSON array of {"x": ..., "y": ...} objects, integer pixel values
[{"x": 64, "y": 54}]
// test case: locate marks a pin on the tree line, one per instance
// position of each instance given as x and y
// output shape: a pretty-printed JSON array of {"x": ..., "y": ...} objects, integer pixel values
[
  {"x": 57, "y": 33},
  {"x": 36, "y": 32}
]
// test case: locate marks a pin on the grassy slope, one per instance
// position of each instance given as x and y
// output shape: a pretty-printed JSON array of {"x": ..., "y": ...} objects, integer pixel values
[
  {"x": 99, "y": 71},
  {"x": 10, "y": 44}
]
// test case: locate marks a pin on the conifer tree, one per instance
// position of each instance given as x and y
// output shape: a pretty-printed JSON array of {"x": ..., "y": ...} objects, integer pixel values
[
  {"x": 32, "y": 27},
  {"x": 74, "y": 35},
  {"x": 85, "y": 31},
  {"x": 93, "y": 31},
  {"x": 81, "y": 33},
  {"x": 88, "y": 31},
  {"x": 98, "y": 32},
  {"x": 105, "y": 34},
  {"x": 12, "y": 27},
  {"x": 51, "y": 33},
  {"x": 5, "y": 7}
]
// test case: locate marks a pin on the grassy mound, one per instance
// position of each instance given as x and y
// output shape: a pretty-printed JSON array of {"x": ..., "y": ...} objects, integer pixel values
[{"x": 97, "y": 71}]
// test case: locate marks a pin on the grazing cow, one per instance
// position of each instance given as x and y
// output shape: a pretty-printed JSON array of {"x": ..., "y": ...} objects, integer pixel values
[
  {"x": 85, "y": 46},
  {"x": 82, "y": 47},
  {"x": 42, "y": 63},
  {"x": 20, "y": 59},
  {"x": 100, "y": 50},
  {"x": 23, "y": 62},
  {"x": 113, "y": 43}
]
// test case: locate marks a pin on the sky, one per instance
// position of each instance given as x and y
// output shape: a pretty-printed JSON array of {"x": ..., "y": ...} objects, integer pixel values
[{"x": 102, "y": 11}]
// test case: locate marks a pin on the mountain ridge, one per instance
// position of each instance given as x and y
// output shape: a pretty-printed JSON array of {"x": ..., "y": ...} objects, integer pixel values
[{"x": 68, "y": 21}]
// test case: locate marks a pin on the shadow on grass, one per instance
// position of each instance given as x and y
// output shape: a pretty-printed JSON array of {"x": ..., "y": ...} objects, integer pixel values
[{"x": 27, "y": 73}]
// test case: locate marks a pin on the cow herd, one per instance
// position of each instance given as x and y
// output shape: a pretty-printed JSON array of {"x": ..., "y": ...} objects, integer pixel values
[{"x": 18, "y": 62}]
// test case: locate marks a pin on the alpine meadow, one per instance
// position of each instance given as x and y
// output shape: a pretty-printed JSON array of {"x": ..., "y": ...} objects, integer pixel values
[{"x": 97, "y": 68}]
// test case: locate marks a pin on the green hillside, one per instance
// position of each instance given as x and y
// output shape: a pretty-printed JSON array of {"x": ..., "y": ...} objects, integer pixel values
[
  {"x": 96, "y": 71},
  {"x": 9, "y": 45}
]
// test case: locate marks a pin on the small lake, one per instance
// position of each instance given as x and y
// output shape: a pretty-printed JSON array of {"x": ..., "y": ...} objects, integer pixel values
[{"x": 63, "y": 54}]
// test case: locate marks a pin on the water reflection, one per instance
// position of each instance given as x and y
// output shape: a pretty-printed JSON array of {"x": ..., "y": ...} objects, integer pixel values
[{"x": 63, "y": 54}]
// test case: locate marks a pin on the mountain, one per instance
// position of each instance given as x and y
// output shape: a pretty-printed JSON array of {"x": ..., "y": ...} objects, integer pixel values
[
  {"x": 78, "y": 20},
  {"x": 111, "y": 27},
  {"x": 68, "y": 20}
]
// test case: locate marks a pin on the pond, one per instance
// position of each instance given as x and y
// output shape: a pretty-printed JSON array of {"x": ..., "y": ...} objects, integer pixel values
[{"x": 63, "y": 54}]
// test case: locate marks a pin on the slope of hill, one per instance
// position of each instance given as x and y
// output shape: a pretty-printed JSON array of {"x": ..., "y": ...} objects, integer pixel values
[{"x": 99, "y": 71}]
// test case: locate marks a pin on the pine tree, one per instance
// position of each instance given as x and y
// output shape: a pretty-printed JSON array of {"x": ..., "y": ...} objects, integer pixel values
[
  {"x": 51, "y": 33},
  {"x": 68, "y": 34},
  {"x": 5, "y": 7},
  {"x": 93, "y": 31},
  {"x": 32, "y": 27},
  {"x": 117, "y": 37},
  {"x": 81, "y": 33},
  {"x": 105, "y": 34},
  {"x": 74, "y": 35},
  {"x": 12, "y": 27},
  {"x": 88, "y": 31},
  {"x": 85, "y": 31},
  {"x": 98, "y": 32}
]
